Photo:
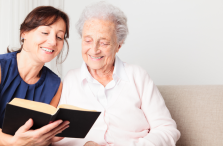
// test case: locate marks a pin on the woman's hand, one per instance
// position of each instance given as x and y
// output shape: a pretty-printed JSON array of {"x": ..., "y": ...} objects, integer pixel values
[
  {"x": 91, "y": 143},
  {"x": 41, "y": 137}
]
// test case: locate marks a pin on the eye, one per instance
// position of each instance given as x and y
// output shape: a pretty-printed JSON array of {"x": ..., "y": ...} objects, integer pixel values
[
  {"x": 87, "y": 41},
  {"x": 44, "y": 33},
  {"x": 59, "y": 38},
  {"x": 104, "y": 44}
]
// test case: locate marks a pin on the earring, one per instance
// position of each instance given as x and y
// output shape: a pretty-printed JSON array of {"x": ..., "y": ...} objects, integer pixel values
[{"x": 22, "y": 40}]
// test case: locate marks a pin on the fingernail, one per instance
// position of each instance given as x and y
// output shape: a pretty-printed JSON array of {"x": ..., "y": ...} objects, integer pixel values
[{"x": 60, "y": 121}]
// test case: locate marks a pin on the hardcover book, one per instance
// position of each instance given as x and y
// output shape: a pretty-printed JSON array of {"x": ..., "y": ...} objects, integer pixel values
[{"x": 18, "y": 111}]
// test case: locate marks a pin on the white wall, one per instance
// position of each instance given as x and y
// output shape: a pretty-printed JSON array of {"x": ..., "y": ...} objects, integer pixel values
[{"x": 177, "y": 42}]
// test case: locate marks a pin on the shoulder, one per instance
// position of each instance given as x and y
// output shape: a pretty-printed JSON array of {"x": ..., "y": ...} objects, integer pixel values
[
  {"x": 7, "y": 56},
  {"x": 72, "y": 74},
  {"x": 50, "y": 72},
  {"x": 135, "y": 71},
  {"x": 51, "y": 76},
  {"x": 139, "y": 78},
  {"x": 5, "y": 64},
  {"x": 72, "y": 79}
]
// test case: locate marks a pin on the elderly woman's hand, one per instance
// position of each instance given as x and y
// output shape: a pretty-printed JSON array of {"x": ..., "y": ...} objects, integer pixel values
[
  {"x": 91, "y": 143},
  {"x": 41, "y": 137}
]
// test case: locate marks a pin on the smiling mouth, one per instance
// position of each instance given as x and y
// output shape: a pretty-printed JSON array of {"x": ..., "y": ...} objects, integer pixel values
[
  {"x": 47, "y": 50},
  {"x": 96, "y": 57}
]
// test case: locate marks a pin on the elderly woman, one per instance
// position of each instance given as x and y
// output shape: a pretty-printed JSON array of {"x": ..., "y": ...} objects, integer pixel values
[
  {"x": 23, "y": 74},
  {"x": 133, "y": 110}
]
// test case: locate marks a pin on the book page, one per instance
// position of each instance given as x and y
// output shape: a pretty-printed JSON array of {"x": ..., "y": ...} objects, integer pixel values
[
  {"x": 34, "y": 105},
  {"x": 66, "y": 106}
]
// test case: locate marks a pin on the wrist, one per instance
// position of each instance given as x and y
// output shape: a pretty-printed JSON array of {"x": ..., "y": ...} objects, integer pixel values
[
  {"x": 5, "y": 139},
  {"x": 10, "y": 142}
]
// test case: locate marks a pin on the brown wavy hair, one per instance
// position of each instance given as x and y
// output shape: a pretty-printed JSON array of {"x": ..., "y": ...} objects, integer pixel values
[{"x": 44, "y": 15}]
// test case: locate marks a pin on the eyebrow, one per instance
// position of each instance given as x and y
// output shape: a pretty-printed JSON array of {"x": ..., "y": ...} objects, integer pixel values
[
  {"x": 62, "y": 31},
  {"x": 59, "y": 30},
  {"x": 101, "y": 38}
]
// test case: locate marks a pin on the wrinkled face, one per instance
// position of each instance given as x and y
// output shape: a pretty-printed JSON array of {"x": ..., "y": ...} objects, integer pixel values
[
  {"x": 99, "y": 44},
  {"x": 45, "y": 42}
]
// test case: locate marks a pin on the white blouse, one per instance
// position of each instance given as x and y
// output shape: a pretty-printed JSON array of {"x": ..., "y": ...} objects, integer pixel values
[
  {"x": 101, "y": 93},
  {"x": 133, "y": 111}
]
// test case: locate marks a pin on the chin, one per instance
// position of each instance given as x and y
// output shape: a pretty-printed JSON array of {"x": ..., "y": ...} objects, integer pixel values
[
  {"x": 45, "y": 60},
  {"x": 94, "y": 66},
  {"x": 46, "y": 57}
]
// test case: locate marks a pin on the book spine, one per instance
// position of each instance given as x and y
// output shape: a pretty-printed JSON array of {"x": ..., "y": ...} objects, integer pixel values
[{"x": 53, "y": 117}]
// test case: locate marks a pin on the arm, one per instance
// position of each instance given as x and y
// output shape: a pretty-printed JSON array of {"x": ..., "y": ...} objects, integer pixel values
[
  {"x": 54, "y": 102},
  {"x": 163, "y": 130}
]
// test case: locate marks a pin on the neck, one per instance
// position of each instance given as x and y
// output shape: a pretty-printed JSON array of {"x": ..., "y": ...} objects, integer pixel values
[
  {"x": 28, "y": 68},
  {"x": 104, "y": 75}
]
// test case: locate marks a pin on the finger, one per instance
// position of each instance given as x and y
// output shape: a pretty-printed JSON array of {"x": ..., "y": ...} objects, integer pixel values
[
  {"x": 51, "y": 135},
  {"x": 45, "y": 129},
  {"x": 55, "y": 131},
  {"x": 44, "y": 138},
  {"x": 90, "y": 143},
  {"x": 25, "y": 127},
  {"x": 56, "y": 139},
  {"x": 44, "y": 143}
]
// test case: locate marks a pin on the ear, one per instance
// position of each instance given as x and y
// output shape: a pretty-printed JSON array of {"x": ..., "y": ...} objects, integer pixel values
[
  {"x": 119, "y": 46},
  {"x": 24, "y": 35}
]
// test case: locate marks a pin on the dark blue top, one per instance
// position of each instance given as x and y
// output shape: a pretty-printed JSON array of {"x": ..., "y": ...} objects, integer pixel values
[{"x": 12, "y": 85}]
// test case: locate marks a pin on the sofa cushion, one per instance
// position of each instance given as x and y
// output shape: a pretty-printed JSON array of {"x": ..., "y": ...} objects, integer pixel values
[{"x": 198, "y": 112}]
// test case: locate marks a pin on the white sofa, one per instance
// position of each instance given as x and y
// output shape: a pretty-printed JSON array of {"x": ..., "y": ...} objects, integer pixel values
[{"x": 198, "y": 112}]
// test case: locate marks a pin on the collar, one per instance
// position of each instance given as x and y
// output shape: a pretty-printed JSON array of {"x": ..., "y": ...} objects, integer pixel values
[{"x": 118, "y": 73}]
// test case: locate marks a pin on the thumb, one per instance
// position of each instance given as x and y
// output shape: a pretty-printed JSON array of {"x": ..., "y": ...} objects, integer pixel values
[{"x": 25, "y": 127}]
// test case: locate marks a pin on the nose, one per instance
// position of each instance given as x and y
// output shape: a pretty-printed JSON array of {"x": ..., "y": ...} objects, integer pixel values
[
  {"x": 95, "y": 48},
  {"x": 52, "y": 40}
]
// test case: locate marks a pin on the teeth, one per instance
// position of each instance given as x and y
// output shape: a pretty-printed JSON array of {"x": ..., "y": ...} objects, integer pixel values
[
  {"x": 45, "y": 49},
  {"x": 96, "y": 57}
]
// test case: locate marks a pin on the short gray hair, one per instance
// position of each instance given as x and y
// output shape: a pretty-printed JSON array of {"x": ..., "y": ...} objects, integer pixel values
[{"x": 105, "y": 11}]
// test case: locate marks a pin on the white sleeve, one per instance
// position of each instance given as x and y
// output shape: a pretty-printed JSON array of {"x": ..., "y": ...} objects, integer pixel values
[{"x": 163, "y": 129}]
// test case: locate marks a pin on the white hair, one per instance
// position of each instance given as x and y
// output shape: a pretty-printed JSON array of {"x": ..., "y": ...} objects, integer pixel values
[{"x": 105, "y": 11}]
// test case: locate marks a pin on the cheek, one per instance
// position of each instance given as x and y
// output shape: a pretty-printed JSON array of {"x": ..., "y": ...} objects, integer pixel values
[
  {"x": 110, "y": 52},
  {"x": 60, "y": 46},
  {"x": 36, "y": 42},
  {"x": 84, "y": 49},
  {"x": 39, "y": 39}
]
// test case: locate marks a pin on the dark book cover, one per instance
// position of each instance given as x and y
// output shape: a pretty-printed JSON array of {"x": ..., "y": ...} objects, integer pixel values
[{"x": 80, "y": 121}]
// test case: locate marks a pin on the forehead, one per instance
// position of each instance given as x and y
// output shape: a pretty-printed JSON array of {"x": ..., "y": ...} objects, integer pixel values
[
  {"x": 58, "y": 25},
  {"x": 95, "y": 26}
]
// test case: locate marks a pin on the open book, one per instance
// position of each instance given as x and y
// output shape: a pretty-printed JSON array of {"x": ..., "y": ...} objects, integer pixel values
[{"x": 18, "y": 111}]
